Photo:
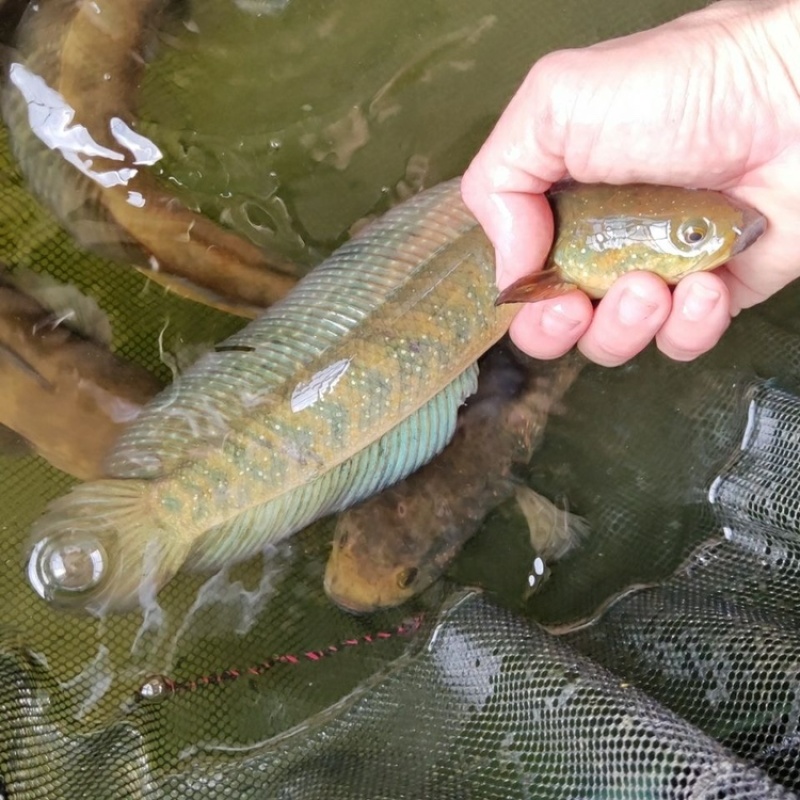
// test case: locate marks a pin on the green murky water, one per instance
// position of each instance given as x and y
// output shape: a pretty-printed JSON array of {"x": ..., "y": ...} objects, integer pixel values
[{"x": 291, "y": 127}]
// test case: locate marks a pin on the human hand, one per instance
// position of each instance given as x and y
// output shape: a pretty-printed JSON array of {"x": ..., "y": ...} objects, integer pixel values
[{"x": 709, "y": 100}]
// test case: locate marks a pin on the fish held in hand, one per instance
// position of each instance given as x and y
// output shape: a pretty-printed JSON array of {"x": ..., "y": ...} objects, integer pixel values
[
  {"x": 396, "y": 544},
  {"x": 340, "y": 389},
  {"x": 613, "y": 230}
]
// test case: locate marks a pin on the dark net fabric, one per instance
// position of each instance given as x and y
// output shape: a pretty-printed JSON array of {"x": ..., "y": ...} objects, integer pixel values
[
  {"x": 719, "y": 642},
  {"x": 661, "y": 659},
  {"x": 484, "y": 705}
]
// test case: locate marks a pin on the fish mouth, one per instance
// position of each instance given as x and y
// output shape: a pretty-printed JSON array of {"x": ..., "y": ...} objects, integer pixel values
[
  {"x": 754, "y": 224},
  {"x": 349, "y": 605},
  {"x": 358, "y": 609}
]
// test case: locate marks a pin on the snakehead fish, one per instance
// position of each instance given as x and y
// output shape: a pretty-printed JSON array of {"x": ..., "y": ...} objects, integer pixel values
[
  {"x": 342, "y": 388},
  {"x": 69, "y": 103}
]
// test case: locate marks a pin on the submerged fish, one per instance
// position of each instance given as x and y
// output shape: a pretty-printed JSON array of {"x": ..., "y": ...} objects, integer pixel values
[
  {"x": 342, "y": 388},
  {"x": 621, "y": 229},
  {"x": 396, "y": 544},
  {"x": 69, "y": 104},
  {"x": 61, "y": 388}
]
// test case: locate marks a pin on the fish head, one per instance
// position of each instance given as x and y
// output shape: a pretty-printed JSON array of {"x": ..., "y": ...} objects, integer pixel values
[
  {"x": 380, "y": 558},
  {"x": 606, "y": 231}
]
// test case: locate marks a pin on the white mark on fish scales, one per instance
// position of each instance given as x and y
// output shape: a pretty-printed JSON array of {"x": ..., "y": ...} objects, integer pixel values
[{"x": 306, "y": 394}]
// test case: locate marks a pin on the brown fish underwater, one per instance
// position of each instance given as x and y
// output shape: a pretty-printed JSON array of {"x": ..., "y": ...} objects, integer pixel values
[
  {"x": 344, "y": 387},
  {"x": 62, "y": 390},
  {"x": 69, "y": 104},
  {"x": 397, "y": 543}
]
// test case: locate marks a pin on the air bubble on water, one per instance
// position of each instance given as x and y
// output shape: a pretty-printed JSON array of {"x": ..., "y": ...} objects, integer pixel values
[{"x": 68, "y": 564}]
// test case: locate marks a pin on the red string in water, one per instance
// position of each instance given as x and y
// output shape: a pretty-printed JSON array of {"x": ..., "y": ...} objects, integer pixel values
[{"x": 159, "y": 687}]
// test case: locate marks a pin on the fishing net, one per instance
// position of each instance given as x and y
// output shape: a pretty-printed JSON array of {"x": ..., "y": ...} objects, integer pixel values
[{"x": 661, "y": 658}]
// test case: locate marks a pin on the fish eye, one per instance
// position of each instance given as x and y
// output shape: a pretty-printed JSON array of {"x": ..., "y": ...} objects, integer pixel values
[
  {"x": 693, "y": 232},
  {"x": 407, "y": 577}
]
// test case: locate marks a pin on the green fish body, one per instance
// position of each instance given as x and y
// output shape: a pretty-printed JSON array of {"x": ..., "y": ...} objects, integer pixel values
[{"x": 342, "y": 388}]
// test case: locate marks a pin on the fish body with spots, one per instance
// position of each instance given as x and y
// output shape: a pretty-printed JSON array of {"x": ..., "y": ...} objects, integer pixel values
[{"x": 344, "y": 387}]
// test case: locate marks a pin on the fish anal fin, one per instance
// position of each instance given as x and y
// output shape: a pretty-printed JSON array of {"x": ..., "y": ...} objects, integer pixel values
[{"x": 534, "y": 287}]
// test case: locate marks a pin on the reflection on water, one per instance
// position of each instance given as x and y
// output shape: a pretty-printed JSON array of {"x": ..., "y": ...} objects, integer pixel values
[{"x": 290, "y": 126}]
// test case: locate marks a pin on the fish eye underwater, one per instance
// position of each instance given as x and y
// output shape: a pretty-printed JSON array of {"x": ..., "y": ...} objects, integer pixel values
[{"x": 285, "y": 498}]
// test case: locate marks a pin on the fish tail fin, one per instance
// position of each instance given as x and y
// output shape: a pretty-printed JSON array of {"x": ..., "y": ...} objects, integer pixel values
[
  {"x": 101, "y": 548},
  {"x": 554, "y": 531}
]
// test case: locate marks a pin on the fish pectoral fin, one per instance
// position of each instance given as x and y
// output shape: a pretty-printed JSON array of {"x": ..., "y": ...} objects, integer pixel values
[
  {"x": 534, "y": 287},
  {"x": 553, "y": 531}
]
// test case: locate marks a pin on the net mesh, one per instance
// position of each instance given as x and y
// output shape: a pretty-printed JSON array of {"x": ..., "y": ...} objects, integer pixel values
[{"x": 660, "y": 659}]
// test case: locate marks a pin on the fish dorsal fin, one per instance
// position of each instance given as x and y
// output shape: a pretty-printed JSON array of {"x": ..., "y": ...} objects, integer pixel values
[{"x": 327, "y": 306}]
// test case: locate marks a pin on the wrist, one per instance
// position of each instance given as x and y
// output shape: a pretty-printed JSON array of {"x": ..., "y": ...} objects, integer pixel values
[{"x": 768, "y": 33}]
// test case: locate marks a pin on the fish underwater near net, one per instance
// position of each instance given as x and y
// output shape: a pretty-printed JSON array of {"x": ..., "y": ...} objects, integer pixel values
[
  {"x": 341, "y": 389},
  {"x": 69, "y": 103},
  {"x": 397, "y": 543},
  {"x": 62, "y": 389}
]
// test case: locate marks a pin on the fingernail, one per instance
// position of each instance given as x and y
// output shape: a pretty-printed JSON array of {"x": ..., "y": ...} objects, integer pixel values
[
  {"x": 699, "y": 302},
  {"x": 633, "y": 309},
  {"x": 555, "y": 322}
]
